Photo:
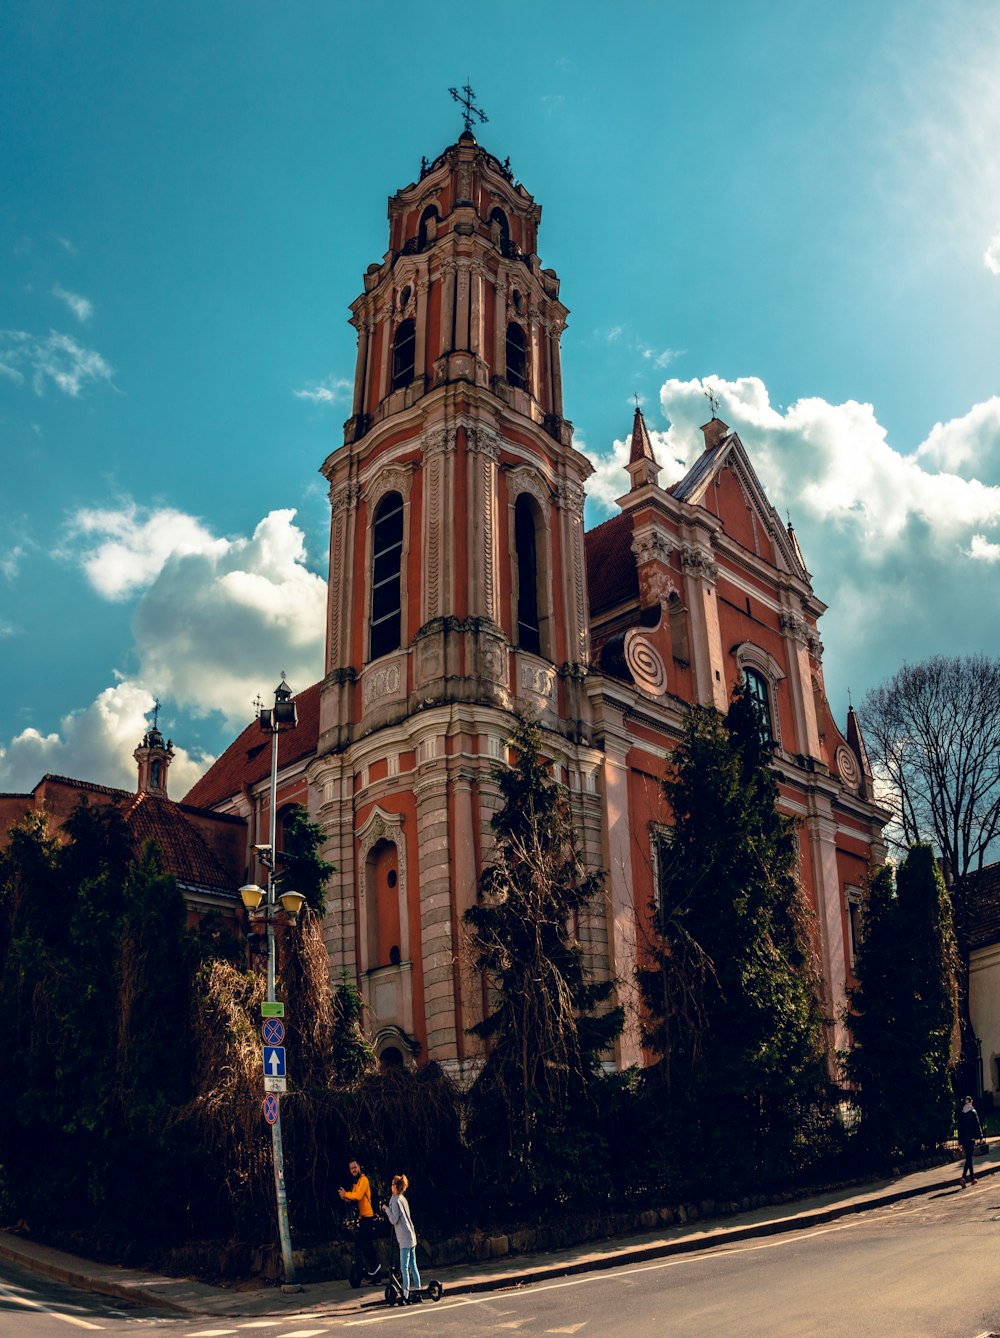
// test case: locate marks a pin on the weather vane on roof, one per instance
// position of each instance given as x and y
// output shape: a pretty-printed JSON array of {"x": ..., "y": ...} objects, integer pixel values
[
  {"x": 470, "y": 111},
  {"x": 713, "y": 401},
  {"x": 635, "y": 394},
  {"x": 156, "y": 711}
]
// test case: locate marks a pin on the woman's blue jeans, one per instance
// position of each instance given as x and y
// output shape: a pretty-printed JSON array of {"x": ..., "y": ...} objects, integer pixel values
[{"x": 408, "y": 1269}]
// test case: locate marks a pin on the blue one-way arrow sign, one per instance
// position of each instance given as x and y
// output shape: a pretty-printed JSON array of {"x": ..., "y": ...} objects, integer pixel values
[{"x": 274, "y": 1061}]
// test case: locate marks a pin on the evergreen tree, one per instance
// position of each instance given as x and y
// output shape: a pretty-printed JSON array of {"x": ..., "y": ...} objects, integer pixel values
[
  {"x": 728, "y": 980},
  {"x": 903, "y": 1010},
  {"x": 548, "y": 1024},
  {"x": 301, "y": 867},
  {"x": 351, "y": 1054}
]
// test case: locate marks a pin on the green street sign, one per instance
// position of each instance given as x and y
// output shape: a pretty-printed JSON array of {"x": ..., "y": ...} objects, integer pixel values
[{"x": 272, "y": 1010}]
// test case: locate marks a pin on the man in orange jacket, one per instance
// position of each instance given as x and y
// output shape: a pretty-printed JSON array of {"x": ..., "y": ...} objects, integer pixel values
[{"x": 361, "y": 1194}]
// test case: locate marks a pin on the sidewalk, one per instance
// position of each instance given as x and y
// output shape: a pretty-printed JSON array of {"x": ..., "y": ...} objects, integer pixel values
[{"x": 333, "y": 1298}]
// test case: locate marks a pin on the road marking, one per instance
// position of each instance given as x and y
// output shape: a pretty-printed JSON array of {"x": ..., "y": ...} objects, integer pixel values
[
  {"x": 304, "y": 1333},
  {"x": 570, "y": 1328},
  {"x": 56, "y": 1314},
  {"x": 211, "y": 1333},
  {"x": 261, "y": 1324}
]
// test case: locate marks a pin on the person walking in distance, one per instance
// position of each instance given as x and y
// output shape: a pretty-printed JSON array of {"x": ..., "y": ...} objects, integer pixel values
[
  {"x": 969, "y": 1129},
  {"x": 361, "y": 1194},
  {"x": 398, "y": 1212}
]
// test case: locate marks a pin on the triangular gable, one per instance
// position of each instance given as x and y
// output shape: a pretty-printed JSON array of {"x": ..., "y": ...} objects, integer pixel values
[{"x": 693, "y": 487}]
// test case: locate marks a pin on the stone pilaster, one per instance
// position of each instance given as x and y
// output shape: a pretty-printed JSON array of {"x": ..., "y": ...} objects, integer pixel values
[{"x": 436, "y": 940}]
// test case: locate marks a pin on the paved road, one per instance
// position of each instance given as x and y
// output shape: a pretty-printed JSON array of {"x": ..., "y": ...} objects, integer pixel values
[
  {"x": 33, "y": 1307},
  {"x": 925, "y": 1268}
]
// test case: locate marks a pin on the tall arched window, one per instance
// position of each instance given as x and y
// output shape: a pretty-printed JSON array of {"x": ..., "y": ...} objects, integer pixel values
[
  {"x": 387, "y": 559},
  {"x": 517, "y": 357},
  {"x": 529, "y": 635},
  {"x": 404, "y": 347},
  {"x": 760, "y": 697}
]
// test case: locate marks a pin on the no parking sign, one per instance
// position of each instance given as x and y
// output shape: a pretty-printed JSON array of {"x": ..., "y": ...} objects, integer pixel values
[{"x": 271, "y": 1108}]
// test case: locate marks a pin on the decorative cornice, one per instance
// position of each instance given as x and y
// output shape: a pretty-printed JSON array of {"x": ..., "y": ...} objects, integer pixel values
[
  {"x": 395, "y": 478},
  {"x": 794, "y": 626}
]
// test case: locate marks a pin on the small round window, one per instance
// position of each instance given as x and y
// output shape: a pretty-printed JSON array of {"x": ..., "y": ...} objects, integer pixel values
[{"x": 391, "y": 878}]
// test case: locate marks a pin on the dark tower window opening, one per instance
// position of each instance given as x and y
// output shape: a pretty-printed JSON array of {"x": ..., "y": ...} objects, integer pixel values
[
  {"x": 387, "y": 562},
  {"x": 760, "y": 698},
  {"x": 404, "y": 347},
  {"x": 427, "y": 231},
  {"x": 500, "y": 229},
  {"x": 529, "y": 635},
  {"x": 517, "y": 357}
]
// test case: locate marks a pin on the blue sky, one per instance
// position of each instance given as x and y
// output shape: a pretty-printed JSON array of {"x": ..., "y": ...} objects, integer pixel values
[{"x": 795, "y": 204}]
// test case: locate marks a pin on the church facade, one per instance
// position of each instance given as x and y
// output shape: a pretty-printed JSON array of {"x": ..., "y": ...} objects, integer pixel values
[{"x": 463, "y": 588}]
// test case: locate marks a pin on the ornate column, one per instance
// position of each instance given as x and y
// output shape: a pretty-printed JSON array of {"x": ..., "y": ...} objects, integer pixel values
[
  {"x": 700, "y": 575},
  {"x": 484, "y": 456},
  {"x": 343, "y": 503},
  {"x": 438, "y": 447},
  {"x": 798, "y": 636},
  {"x": 621, "y": 909},
  {"x": 569, "y": 500},
  {"x": 437, "y": 946},
  {"x": 822, "y": 832},
  {"x": 363, "y": 327},
  {"x": 420, "y": 344}
]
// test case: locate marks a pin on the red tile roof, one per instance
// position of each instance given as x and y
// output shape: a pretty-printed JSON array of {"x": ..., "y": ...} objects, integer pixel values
[
  {"x": 612, "y": 577},
  {"x": 248, "y": 760},
  {"x": 185, "y": 852}
]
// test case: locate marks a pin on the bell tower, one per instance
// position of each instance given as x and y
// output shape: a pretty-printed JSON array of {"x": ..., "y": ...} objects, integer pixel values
[{"x": 457, "y": 587}]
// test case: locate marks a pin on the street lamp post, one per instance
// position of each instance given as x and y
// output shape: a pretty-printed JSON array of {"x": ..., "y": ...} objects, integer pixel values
[{"x": 273, "y": 721}]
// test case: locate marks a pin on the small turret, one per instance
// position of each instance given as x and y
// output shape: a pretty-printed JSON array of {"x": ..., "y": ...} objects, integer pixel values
[{"x": 153, "y": 757}]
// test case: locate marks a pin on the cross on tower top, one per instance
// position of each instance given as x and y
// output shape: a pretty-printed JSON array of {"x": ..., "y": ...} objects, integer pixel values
[
  {"x": 713, "y": 401},
  {"x": 470, "y": 111},
  {"x": 156, "y": 711}
]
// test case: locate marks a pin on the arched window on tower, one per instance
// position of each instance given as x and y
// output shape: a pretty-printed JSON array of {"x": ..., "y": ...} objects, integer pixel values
[
  {"x": 500, "y": 230},
  {"x": 427, "y": 231},
  {"x": 404, "y": 347},
  {"x": 529, "y": 636},
  {"x": 387, "y": 561},
  {"x": 759, "y": 693},
  {"x": 517, "y": 356}
]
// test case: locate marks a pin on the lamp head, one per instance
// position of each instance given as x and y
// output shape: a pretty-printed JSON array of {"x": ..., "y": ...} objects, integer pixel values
[
  {"x": 292, "y": 903},
  {"x": 251, "y": 895}
]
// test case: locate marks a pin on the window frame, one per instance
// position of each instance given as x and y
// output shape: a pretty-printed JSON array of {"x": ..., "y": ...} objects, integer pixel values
[{"x": 397, "y": 545}]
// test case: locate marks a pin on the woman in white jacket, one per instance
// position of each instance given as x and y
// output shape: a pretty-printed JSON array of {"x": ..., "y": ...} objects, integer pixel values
[{"x": 398, "y": 1212}]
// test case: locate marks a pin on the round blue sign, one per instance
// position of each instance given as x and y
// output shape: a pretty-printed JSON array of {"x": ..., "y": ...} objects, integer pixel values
[{"x": 273, "y": 1031}]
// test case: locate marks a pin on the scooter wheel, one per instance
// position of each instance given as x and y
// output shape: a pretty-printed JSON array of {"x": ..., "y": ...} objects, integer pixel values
[
  {"x": 390, "y": 1295},
  {"x": 434, "y": 1290},
  {"x": 355, "y": 1278}
]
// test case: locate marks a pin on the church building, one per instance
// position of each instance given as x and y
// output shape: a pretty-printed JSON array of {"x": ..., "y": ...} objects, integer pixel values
[{"x": 463, "y": 588}]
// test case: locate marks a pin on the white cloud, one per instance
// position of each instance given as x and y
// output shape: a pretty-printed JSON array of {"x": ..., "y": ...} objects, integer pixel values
[
  {"x": 215, "y": 623},
  {"x": 968, "y": 446},
  {"x": 95, "y": 744},
  {"x": 81, "y": 307},
  {"x": 123, "y": 550},
  {"x": 219, "y": 625},
  {"x": 10, "y": 561},
  {"x": 55, "y": 358},
  {"x": 334, "y": 390},
  {"x": 663, "y": 358},
  {"x": 983, "y": 550},
  {"x": 991, "y": 256},
  {"x": 902, "y": 546}
]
